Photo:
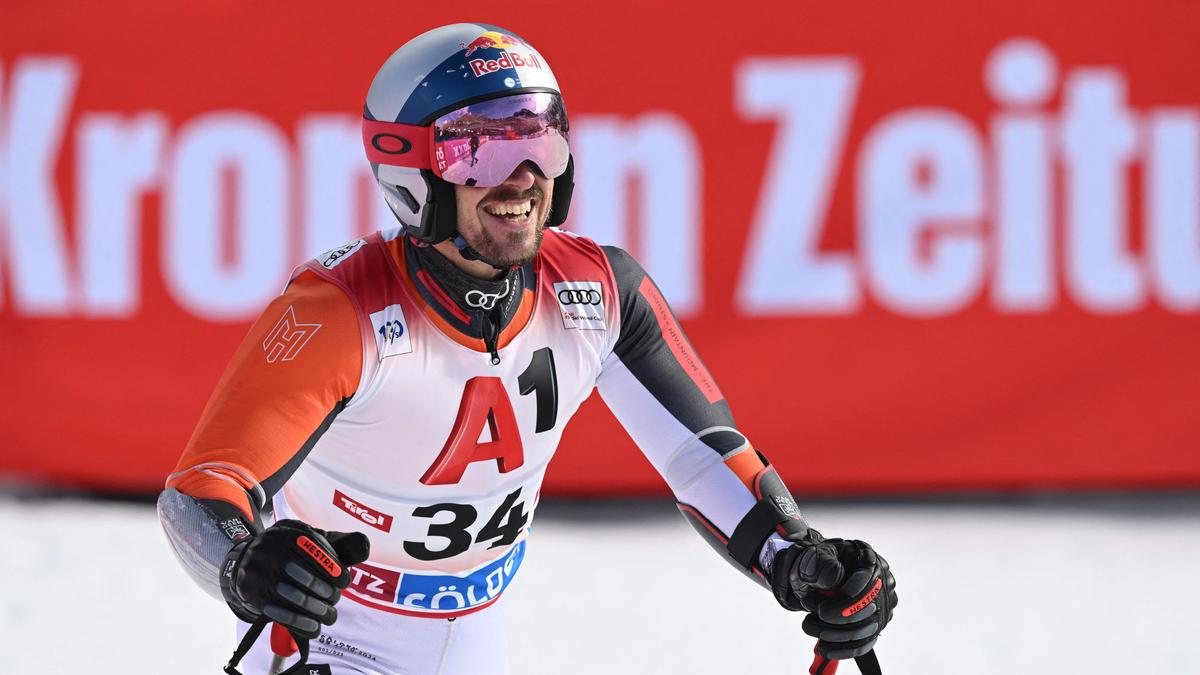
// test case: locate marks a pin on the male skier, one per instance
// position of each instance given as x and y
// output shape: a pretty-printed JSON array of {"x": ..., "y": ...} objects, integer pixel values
[{"x": 382, "y": 432}]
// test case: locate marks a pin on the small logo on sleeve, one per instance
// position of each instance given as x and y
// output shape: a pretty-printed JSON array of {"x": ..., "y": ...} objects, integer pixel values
[
  {"x": 581, "y": 303},
  {"x": 235, "y": 529},
  {"x": 288, "y": 337},
  {"x": 391, "y": 332},
  {"x": 787, "y": 506},
  {"x": 331, "y": 259}
]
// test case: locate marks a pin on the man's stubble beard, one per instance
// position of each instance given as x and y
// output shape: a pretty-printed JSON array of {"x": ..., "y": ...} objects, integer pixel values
[{"x": 502, "y": 254}]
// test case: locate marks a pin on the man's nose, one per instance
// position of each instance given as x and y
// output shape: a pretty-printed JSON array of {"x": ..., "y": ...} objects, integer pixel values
[{"x": 521, "y": 178}]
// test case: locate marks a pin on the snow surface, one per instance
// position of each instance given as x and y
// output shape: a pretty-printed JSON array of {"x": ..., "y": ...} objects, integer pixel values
[{"x": 1065, "y": 586}]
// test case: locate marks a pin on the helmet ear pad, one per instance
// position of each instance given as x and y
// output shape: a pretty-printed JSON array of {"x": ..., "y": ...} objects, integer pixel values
[
  {"x": 560, "y": 203},
  {"x": 439, "y": 218}
]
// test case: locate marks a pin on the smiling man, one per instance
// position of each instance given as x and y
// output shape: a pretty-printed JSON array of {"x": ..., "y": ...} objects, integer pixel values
[
  {"x": 383, "y": 431},
  {"x": 503, "y": 225}
]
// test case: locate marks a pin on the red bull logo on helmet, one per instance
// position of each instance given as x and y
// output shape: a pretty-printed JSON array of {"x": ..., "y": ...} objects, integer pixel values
[
  {"x": 509, "y": 58},
  {"x": 491, "y": 40}
]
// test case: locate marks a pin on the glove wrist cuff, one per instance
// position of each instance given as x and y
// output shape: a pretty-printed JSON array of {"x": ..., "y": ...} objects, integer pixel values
[
  {"x": 229, "y": 589},
  {"x": 780, "y": 575}
]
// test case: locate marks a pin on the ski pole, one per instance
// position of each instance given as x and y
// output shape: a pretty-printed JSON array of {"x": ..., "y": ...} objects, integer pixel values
[
  {"x": 283, "y": 645},
  {"x": 868, "y": 664}
]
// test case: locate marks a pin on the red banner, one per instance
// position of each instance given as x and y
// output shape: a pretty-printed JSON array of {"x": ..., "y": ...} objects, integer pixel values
[{"x": 920, "y": 247}]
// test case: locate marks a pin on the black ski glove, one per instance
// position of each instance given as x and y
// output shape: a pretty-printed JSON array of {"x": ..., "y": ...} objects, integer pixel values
[
  {"x": 293, "y": 574},
  {"x": 847, "y": 588}
]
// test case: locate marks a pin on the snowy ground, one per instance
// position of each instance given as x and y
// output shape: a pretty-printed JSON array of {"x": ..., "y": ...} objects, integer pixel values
[{"x": 1060, "y": 586}]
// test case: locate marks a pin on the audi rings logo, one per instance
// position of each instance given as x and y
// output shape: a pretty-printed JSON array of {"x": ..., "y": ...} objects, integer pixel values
[
  {"x": 579, "y": 296},
  {"x": 391, "y": 144},
  {"x": 581, "y": 303}
]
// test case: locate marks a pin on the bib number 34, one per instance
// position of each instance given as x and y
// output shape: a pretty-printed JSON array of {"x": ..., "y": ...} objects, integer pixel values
[{"x": 504, "y": 527}]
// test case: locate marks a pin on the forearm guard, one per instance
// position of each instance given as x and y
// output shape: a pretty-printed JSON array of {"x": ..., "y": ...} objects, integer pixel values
[{"x": 775, "y": 512}]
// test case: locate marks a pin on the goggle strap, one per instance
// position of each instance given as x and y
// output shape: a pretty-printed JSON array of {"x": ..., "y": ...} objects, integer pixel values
[{"x": 397, "y": 144}]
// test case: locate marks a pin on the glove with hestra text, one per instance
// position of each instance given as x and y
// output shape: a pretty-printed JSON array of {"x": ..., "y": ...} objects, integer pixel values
[
  {"x": 293, "y": 574},
  {"x": 847, "y": 588}
]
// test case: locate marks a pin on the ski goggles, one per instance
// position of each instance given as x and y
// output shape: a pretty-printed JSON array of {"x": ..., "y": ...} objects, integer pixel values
[{"x": 480, "y": 144}]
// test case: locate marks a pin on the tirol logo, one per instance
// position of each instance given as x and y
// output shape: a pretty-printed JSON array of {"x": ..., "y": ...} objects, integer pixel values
[
  {"x": 331, "y": 259},
  {"x": 376, "y": 519},
  {"x": 508, "y": 57}
]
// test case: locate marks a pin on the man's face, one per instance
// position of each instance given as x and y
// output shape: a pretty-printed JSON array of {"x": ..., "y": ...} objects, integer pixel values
[{"x": 504, "y": 223}]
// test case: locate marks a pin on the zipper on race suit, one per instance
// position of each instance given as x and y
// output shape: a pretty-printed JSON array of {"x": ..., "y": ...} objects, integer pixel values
[{"x": 491, "y": 331}]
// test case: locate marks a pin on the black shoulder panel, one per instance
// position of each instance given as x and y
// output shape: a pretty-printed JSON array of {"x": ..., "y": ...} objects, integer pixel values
[{"x": 644, "y": 350}]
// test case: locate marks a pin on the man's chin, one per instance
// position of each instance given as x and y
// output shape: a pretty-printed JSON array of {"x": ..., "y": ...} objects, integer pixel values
[
  {"x": 512, "y": 254},
  {"x": 503, "y": 248},
  {"x": 508, "y": 259}
]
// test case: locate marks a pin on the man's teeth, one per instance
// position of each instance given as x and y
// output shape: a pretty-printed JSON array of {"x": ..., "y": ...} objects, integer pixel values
[{"x": 510, "y": 208}]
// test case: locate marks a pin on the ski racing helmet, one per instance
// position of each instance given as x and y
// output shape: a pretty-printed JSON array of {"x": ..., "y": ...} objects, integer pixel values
[{"x": 463, "y": 104}]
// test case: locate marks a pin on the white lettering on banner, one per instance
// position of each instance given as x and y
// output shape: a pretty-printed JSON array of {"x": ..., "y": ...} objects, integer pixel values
[
  {"x": 1173, "y": 206},
  {"x": 338, "y": 185},
  {"x": 1021, "y": 74},
  {"x": 120, "y": 160},
  {"x": 813, "y": 99},
  {"x": 948, "y": 212},
  {"x": 919, "y": 204},
  {"x": 33, "y": 241},
  {"x": 1096, "y": 140},
  {"x": 1099, "y": 139},
  {"x": 255, "y": 153},
  {"x": 661, "y": 152}
]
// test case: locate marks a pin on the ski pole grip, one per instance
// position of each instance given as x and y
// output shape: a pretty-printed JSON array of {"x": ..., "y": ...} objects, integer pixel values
[{"x": 282, "y": 643}]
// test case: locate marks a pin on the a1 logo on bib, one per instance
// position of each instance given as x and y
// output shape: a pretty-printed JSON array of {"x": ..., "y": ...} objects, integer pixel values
[
  {"x": 581, "y": 304},
  {"x": 391, "y": 332}
]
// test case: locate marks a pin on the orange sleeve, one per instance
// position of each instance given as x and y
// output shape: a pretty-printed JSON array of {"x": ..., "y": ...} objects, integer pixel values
[{"x": 291, "y": 375}]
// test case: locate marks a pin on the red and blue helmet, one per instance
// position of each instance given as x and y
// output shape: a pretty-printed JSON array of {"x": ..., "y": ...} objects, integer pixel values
[{"x": 463, "y": 104}]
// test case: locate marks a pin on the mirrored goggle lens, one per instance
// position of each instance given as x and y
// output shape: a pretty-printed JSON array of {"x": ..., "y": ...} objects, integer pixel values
[{"x": 483, "y": 143}]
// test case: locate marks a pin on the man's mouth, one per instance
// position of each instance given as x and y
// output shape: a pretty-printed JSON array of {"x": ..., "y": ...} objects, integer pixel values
[{"x": 512, "y": 211}]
